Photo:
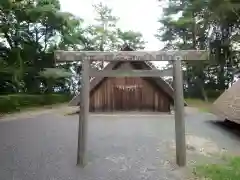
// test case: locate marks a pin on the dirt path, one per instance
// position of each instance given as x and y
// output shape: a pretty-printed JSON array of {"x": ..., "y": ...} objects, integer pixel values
[
  {"x": 133, "y": 147},
  {"x": 119, "y": 147},
  {"x": 191, "y": 110},
  {"x": 64, "y": 109}
]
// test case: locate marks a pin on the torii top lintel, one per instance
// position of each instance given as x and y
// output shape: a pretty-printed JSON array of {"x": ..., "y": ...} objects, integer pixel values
[{"x": 64, "y": 56}]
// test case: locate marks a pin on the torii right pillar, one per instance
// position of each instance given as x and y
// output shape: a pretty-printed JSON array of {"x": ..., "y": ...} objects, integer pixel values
[{"x": 179, "y": 113}]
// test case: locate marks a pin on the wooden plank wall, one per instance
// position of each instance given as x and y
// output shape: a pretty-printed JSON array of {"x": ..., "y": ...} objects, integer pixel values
[
  {"x": 112, "y": 96},
  {"x": 145, "y": 97}
]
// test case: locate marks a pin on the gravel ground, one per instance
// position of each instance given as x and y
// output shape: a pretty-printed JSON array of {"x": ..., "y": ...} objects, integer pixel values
[{"x": 120, "y": 147}]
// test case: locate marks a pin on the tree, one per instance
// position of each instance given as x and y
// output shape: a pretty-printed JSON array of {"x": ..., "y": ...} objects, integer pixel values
[
  {"x": 133, "y": 39},
  {"x": 106, "y": 29},
  {"x": 29, "y": 32},
  {"x": 106, "y": 36},
  {"x": 191, "y": 31}
]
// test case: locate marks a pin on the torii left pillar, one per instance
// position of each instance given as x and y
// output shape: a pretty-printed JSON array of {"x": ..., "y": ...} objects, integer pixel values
[{"x": 83, "y": 114}]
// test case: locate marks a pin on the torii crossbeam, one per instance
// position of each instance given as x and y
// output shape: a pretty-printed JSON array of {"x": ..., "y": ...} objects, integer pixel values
[{"x": 175, "y": 56}]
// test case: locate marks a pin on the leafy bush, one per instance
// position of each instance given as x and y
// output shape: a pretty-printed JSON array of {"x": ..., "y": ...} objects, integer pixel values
[{"x": 16, "y": 102}]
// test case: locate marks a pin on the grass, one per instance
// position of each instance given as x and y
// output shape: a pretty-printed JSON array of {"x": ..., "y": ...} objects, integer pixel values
[
  {"x": 200, "y": 104},
  {"x": 228, "y": 171}
]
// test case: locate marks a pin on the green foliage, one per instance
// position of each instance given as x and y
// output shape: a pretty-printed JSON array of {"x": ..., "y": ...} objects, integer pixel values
[
  {"x": 107, "y": 36},
  {"x": 213, "y": 25},
  {"x": 16, "y": 102},
  {"x": 104, "y": 32},
  {"x": 55, "y": 73},
  {"x": 133, "y": 39},
  {"x": 30, "y": 31},
  {"x": 230, "y": 171}
]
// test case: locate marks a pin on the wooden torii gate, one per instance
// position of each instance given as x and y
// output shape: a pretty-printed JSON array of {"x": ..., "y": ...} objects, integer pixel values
[{"x": 175, "y": 56}]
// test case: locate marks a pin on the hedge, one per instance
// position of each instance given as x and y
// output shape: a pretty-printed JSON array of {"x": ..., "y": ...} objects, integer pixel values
[{"x": 16, "y": 102}]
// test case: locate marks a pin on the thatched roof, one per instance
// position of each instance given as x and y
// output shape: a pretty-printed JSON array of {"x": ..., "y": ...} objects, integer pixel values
[{"x": 227, "y": 106}]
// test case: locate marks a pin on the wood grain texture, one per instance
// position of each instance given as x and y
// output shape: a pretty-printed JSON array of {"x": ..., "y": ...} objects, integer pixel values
[
  {"x": 179, "y": 114},
  {"x": 83, "y": 116},
  {"x": 129, "y": 94},
  {"x": 128, "y": 73},
  {"x": 64, "y": 56}
]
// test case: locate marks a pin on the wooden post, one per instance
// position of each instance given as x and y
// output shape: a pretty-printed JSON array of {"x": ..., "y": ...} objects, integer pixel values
[
  {"x": 179, "y": 113},
  {"x": 83, "y": 114},
  {"x": 192, "y": 55}
]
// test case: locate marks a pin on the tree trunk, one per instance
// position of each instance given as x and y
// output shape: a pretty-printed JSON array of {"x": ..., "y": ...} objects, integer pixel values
[
  {"x": 194, "y": 39},
  {"x": 204, "y": 94},
  {"x": 101, "y": 49}
]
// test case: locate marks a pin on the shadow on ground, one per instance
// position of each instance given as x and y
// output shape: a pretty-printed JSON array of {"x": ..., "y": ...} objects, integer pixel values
[{"x": 229, "y": 127}]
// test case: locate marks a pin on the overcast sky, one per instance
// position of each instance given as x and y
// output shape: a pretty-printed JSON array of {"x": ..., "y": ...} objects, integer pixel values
[{"x": 137, "y": 15}]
